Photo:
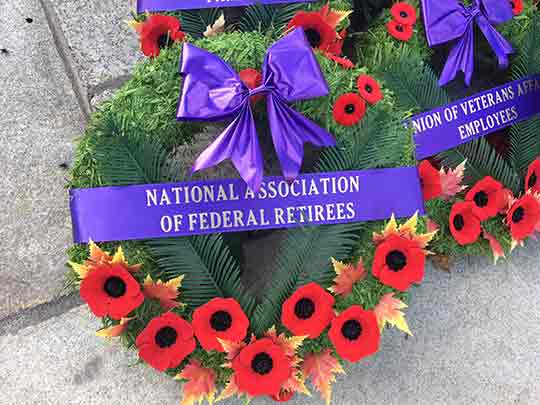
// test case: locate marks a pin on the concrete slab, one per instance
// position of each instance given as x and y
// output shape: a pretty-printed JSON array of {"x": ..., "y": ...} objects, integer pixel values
[
  {"x": 39, "y": 118},
  {"x": 103, "y": 48},
  {"x": 475, "y": 342}
]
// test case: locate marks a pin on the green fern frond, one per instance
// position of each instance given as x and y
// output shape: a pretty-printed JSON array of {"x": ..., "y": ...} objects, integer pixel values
[
  {"x": 209, "y": 267},
  {"x": 194, "y": 22},
  {"x": 377, "y": 142},
  {"x": 263, "y": 18},
  {"x": 415, "y": 85},
  {"x": 482, "y": 160},
  {"x": 524, "y": 144},
  {"x": 127, "y": 157},
  {"x": 304, "y": 257},
  {"x": 528, "y": 61}
]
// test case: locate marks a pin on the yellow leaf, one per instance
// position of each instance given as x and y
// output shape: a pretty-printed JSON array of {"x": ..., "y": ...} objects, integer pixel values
[{"x": 166, "y": 293}]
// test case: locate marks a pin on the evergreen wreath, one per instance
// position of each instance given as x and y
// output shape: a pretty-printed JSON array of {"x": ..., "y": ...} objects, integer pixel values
[{"x": 180, "y": 301}]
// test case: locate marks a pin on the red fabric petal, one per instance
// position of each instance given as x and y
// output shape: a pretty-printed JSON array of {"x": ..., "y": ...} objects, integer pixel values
[
  {"x": 532, "y": 180},
  {"x": 523, "y": 217},
  {"x": 319, "y": 320},
  {"x": 486, "y": 198},
  {"x": 403, "y": 13},
  {"x": 471, "y": 229},
  {"x": 431, "y": 180},
  {"x": 369, "y": 89},
  {"x": 350, "y": 101},
  {"x": 399, "y": 31}
]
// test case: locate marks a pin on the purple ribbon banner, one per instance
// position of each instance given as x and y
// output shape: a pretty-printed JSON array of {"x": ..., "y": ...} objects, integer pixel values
[
  {"x": 193, "y": 208},
  {"x": 171, "y": 5},
  {"x": 473, "y": 117}
]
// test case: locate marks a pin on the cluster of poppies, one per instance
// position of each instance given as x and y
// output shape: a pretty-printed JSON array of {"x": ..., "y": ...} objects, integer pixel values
[
  {"x": 350, "y": 108},
  {"x": 401, "y": 27},
  {"x": 487, "y": 199}
]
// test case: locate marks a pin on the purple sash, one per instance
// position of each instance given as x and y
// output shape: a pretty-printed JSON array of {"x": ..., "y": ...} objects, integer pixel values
[
  {"x": 171, "y": 5},
  {"x": 471, "y": 118},
  {"x": 191, "y": 208}
]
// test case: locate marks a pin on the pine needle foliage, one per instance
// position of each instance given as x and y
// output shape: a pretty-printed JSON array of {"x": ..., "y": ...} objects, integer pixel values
[
  {"x": 268, "y": 18},
  {"x": 304, "y": 257},
  {"x": 209, "y": 268},
  {"x": 194, "y": 22}
]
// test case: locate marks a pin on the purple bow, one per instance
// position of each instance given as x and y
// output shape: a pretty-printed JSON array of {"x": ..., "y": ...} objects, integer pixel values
[
  {"x": 212, "y": 91},
  {"x": 447, "y": 20}
]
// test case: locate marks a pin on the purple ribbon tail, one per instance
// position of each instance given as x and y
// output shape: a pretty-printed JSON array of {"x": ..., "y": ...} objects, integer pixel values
[
  {"x": 290, "y": 130},
  {"x": 499, "y": 44},
  {"x": 239, "y": 143},
  {"x": 461, "y": 58}
]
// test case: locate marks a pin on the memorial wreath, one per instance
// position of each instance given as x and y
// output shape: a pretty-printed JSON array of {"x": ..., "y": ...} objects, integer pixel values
[{"x": 359, "y": 82}]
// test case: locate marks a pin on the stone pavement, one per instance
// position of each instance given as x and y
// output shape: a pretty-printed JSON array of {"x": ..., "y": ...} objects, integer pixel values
[{"x": 476, "y": 330}]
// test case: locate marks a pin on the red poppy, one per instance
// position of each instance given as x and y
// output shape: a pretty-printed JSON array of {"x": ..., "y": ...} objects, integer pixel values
[
  {"x": 261, "y": 368},
  {"x": 252, "y": 78},
  {"x": 523, "y": 217},
  {"x": 532, "y": 181},
  {"x": 111, "y": 290},
  {"x": 399, "y": 31},
  {"x": 349, "y": 109},
  {"x": 399, "y": 262},
  {"x": 221, "y": 318},
  {"x": 166, "y": 341},
  {"x": 318, "y": 32},
  {"x": 430, "y": 179},
  {"x": 403, "y": 13},
  {"x": 486, "y": 196},
  {"x": 464, "y": 224},
  {"x": 159, "y": 31},
  {"x": 369, "y": 89},
  {"x": 355, "y": 333},
  {"x": 517, "y": 6},
  {"x": 308, "y": 311}
]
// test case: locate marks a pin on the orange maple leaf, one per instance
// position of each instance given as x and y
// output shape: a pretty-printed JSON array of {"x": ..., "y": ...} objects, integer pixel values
[
  {"x": 167, "y": 293},
  {"x": 451, "y": 181},
  {"x": 98, "y": 257},
  {"x": 322, "y": 368},
  {"x": 388, "y": 311},
  {"x": 495, "y": 246},
  {"x": 115, "y": 330},
  {"x": 232, "y": 349},
  {"x": 200, "y": 384},
  {"x": 407, "y": 230},
  {"x": 288, "y": 345},
  {"x": 347, "y": 276},
  {"x": 230, "y": 390}
]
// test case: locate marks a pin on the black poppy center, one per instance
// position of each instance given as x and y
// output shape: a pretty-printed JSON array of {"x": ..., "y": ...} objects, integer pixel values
[
  {"x": 459, "y": 222},
  {"x": 262, "y": 363},
  {"x": 351, "y": 329},
  {"x": 314, "y": 37},
  {"x": 350, "y": 108},
  {"x": 532, "y": 180},
  {"x": 399, "y": 28},
  {"x": 164, "y": 40},
  {"x": 221, "y": 321},
  {"x": 396, "y": 260},
  {"x": 115, "y": 287},
  {"x": 403, "y": 14},
  {"x": 304, "y": 308},
  {"x": 166, "y": 337},
  {"x": 368, "y": 88},
  {"x": 518, "y": 215},
  {"x": 481, "y": 199}
]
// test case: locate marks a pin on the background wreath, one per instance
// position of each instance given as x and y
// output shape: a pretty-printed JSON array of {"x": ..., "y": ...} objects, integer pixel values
[{"x": 134, "y": 139}]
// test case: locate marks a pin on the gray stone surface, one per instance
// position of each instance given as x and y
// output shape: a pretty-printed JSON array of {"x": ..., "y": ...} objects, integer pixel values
[
  {"x": 39, "y": 117},
  {"x": 103, "y": 47},
  {"x": 475, "y": 342}
]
